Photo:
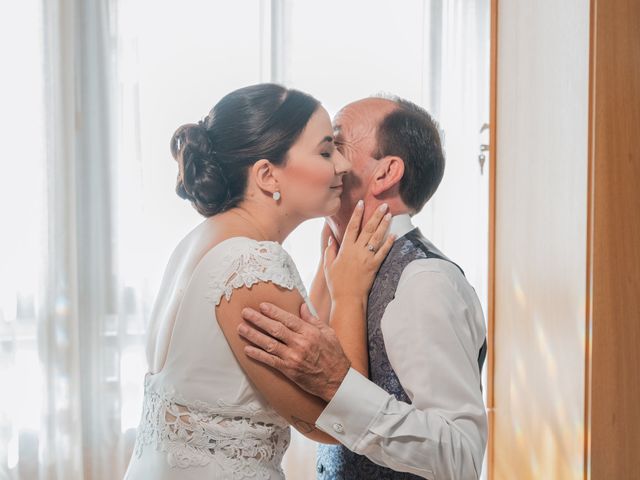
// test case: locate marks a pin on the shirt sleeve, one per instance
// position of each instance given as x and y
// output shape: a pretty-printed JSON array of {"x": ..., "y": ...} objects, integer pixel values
[{"x": 433, "y": 331}]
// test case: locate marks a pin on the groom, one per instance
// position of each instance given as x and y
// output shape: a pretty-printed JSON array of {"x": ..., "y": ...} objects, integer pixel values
[{"x": 422, "y": 413}]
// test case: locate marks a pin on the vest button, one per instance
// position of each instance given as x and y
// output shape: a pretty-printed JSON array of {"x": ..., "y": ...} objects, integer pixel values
[{"x": 320, "y": 468}]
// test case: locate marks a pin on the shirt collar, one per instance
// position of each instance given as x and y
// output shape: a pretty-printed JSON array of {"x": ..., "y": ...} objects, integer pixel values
[{"x": 401, "y": 225}]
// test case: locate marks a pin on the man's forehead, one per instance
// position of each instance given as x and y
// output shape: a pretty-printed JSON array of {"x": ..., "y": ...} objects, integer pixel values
[{"x": 365, "y": 113}]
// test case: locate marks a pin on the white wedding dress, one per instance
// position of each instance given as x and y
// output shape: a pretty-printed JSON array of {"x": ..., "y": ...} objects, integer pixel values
[{"x": 202, "y": 417}]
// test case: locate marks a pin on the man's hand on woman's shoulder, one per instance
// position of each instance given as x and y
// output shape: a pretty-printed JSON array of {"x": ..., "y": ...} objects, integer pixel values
[{"x": 304, "y": 349}]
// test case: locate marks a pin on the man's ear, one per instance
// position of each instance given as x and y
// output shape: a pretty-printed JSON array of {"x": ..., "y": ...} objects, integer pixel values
[
  {"x": 265, "y": 175},
  {"x": 388, "y": 174}
]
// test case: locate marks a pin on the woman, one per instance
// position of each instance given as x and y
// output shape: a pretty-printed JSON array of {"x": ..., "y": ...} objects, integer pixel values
[{"x": 262, "y": 162}]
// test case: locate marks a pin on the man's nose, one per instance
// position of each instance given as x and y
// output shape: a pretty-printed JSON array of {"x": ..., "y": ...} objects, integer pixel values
[{"x": 342, "y": 164}]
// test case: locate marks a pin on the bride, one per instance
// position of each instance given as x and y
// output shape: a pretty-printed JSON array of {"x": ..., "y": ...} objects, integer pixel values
[{"x": 262, "y": 162}]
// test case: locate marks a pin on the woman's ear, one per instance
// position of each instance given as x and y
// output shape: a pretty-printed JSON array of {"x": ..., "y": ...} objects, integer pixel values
[
  {"x": 387, "y": 175},
  {"x": 265, "y": 175}
]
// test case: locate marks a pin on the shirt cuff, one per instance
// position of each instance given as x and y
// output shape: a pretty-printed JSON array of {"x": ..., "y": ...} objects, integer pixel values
[{"x": 354, "y": 407}]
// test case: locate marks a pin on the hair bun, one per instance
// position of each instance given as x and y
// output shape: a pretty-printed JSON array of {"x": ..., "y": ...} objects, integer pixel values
[
  {"x": 201, "y": 177},
  {"x": 249, "y": 124}
]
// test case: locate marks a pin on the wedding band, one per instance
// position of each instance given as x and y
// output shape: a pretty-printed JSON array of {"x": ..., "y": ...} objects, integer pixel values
[{"x": 370, "y": 247}]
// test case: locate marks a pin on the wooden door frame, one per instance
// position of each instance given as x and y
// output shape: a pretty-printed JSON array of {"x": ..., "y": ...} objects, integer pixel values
[{"x": 493, "y": 81}]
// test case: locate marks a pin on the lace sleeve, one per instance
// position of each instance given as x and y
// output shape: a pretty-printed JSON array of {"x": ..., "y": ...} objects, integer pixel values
[{"x": 251, "y": 263}]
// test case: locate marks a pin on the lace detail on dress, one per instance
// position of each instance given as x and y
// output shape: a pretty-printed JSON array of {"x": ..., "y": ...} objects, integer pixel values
[
  {"x": 197, "y": 433},
  {"x": 257, "y": 262}
]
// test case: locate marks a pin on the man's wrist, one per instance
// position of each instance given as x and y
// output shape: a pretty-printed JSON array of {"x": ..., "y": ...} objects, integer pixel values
[{"x": 333, "y": 385}]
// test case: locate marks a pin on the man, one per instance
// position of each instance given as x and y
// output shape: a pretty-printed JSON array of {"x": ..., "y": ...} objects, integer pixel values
[{"x": 422, "y": 413}]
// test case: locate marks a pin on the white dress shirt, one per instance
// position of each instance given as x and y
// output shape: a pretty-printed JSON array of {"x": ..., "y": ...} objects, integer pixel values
[{"x": 433, "y": 330}]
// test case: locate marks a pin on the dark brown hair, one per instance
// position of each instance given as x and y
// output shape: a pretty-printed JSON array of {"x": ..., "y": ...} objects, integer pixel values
[
  {"x": 248, "y": 124},
  {"x": 410, "y": 133}
]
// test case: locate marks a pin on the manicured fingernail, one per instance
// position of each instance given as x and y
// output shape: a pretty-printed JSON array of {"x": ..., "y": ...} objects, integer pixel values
[
  {"x": 383, "y": 207},
  {"x": 242, "y": 328},
  {"x": 360, "y": 204},
  {"x": 387, "y": 217},
  {"x": 330, "y": 241},
  {"x": 264, "y": 307}
]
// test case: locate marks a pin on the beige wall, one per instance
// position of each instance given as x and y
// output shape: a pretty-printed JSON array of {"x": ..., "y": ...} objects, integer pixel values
[{"x": 540, "y": 239}]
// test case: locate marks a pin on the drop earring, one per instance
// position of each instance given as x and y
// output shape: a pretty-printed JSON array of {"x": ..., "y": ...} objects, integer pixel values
[{"x": 276, "y": 195}]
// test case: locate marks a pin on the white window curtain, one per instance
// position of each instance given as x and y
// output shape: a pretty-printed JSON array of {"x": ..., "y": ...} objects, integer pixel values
[
  {"x": 88, "y": 211},
  {"x": 60, "y": 405}
]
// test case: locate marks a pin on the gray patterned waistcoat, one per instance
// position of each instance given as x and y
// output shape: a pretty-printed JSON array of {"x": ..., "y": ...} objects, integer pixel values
[{"x": 336, "y": 462}]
